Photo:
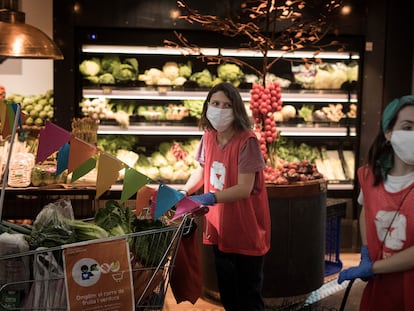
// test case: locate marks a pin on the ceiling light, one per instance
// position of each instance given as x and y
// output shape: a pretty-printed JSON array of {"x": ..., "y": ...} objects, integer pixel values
[{"x": 20, "y": 40}]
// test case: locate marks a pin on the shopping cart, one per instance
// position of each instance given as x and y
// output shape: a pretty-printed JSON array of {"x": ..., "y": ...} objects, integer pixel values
[{"x": 36, "y": 279}]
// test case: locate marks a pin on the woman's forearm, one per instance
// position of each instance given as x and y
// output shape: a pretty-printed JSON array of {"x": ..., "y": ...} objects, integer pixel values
[
  {"x": 195, "y": 181},
  {"x": 401, "y": 261}
]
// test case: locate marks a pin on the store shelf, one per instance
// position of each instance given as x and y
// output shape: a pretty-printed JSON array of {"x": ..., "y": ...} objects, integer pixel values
[
  {"x": 170, "y": 130},
  {"x": 316, "y": 131},
  {"x": 240, "y": 52},
  {"x": 167, "y": 93},
  {"x": 151, "y": 130}
]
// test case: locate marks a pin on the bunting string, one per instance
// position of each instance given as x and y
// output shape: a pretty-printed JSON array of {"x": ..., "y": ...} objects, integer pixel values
[{"x": 80, "y": 157}]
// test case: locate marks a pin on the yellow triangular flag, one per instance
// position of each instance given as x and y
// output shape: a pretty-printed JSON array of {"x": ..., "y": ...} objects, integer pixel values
[{"x": 108, "y": 172}]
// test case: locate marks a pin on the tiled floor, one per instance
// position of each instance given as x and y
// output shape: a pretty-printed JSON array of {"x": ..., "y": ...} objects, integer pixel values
[{"x": 329, "y": 299}]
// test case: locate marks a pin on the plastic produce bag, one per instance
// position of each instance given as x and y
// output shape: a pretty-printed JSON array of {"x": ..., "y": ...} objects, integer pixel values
[
  {"x": 14, "y": 272},
  {"x": 48, "y": 289},
  {"x": 50, "y": 228}
]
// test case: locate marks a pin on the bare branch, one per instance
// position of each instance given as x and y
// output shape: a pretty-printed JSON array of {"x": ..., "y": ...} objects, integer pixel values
[{"x": 264, "y": 25}]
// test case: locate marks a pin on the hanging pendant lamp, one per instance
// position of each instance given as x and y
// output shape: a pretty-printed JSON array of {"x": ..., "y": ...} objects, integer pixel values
[{"x": 20, "y": 40}]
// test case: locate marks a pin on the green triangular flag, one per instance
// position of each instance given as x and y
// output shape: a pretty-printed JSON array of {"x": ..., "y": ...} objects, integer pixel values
[
  {"x": 84, "y": 169},
  {"x": 133, "y": 181}
]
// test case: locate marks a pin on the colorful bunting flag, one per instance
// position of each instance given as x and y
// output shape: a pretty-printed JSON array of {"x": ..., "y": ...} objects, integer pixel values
[
  {"x": 84, "y": 169},
  {"x": 62, "y": 159},
  {"x": 133, "y": 180},
  {"x": 167, "y": 197},
  {"x": 78, "y": 157},
  {"x": 51, "y": 138},
  {"x": 80, "y": 151},
  {"x": 108, "y": 172},
  {"x": 184, "y": 206},
  {"x": 144, "y": 195},
  {"x": 3, "y": 110},
  {"x": 7, "y": 116}
]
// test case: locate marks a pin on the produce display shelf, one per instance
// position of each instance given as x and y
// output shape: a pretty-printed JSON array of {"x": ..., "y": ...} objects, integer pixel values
[
  {"x": 167, "y": 92},
  {"x": 157, "y": 129}
]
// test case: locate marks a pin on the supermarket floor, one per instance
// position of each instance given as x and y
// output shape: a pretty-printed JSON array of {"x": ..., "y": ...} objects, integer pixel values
[{"x": 328, "y": 297}]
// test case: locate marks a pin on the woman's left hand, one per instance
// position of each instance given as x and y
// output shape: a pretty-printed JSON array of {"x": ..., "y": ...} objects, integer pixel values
[
  {"x": 363, "y": 271},
  {"x": 206, "y": 199}
]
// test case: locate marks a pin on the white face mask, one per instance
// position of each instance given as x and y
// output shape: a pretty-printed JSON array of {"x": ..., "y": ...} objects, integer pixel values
[
  {"x": 403, "y": 144},
  {"x": 219, "y": 118}
]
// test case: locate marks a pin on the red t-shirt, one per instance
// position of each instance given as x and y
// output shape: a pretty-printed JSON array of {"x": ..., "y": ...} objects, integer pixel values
[
  {"x": 391, "y": 291},
  {"x": 242, "y": 226}
]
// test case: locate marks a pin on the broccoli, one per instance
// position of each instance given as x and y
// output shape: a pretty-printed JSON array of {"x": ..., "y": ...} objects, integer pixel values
[
  {"x": 230, "y": 73},
  {"x": 90, "y": 67},
  {"x": 203, "y": 78},
  {"x": 185, "y": 70}
]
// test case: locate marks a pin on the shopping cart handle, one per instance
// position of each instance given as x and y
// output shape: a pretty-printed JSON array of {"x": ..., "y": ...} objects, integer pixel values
[{"x": 200, "y": 211}]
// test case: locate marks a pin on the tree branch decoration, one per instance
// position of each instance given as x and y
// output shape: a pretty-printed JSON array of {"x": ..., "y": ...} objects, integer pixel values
[
  {"x": 266, "y": 25},
  {"x": 262, "y": 26}
]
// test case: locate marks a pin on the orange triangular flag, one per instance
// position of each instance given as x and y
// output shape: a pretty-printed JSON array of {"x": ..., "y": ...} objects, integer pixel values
[
  {"x": 80, "y": 151},
  {"x": 7, "y": 115},
  {"x": 3, "y": 110},
  {"x": 108, "y": 172},
  {"x": 144, "y": 195}
]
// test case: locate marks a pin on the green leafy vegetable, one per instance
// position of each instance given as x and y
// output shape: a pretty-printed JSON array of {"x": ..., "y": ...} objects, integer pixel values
[
  {"x": 149, "y": 248},
  {"x": 85, "y": 231},
  {"x": 109, "y": 63},
  {"x": 107, "y": 78},
  {"x": 114, "y": 218}
]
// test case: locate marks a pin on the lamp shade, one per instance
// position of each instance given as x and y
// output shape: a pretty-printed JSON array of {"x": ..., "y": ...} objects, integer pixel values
[{"x": 20, "y": 40}]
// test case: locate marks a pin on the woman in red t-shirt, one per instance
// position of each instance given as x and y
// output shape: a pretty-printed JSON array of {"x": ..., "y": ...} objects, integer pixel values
[
  {"x": 238, "y": 221},
  {"x": 387, "y": 216}
]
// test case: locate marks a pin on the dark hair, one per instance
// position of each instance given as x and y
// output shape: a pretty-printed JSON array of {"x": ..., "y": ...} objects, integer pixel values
[
  {"x": 241, "y": 119},
  {"x": 379, "y": 147}
]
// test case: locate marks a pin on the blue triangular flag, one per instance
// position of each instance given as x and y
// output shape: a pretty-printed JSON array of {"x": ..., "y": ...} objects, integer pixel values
[
  {"x": 62, "y": 158},
  {"x": 167, "y": 197}
]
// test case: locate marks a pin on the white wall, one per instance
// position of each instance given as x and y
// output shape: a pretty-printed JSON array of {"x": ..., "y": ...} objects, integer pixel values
[{"x": 30, "y": 76}]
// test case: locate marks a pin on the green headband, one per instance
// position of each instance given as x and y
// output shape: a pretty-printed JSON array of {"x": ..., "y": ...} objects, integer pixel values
[{"x": 393, "y": 108}]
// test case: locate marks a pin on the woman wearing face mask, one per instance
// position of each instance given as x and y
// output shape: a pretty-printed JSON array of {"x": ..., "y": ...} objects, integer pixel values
[
  {"x": 387, "y": 216},
  {"x": 238, "y": 221}
]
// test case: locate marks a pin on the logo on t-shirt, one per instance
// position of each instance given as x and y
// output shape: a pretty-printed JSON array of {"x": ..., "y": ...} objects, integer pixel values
[
  {"x": 396, "y": 235},
  {"x": 217, "y": 175}
]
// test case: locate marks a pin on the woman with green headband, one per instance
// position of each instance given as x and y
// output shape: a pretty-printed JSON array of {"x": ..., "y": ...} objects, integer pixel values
[{"x": 387, "y": 216}]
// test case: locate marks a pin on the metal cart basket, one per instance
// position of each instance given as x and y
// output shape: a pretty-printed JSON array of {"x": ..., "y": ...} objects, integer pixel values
[{"x": 40, "y": 284}]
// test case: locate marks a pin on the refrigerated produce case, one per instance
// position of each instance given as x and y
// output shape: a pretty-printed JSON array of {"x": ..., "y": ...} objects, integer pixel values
[{"x": 337, "y": 140}]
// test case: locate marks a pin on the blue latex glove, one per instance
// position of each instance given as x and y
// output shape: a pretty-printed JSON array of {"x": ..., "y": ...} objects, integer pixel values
[
  {"x": 363, "y": 271},
  {"x": 205, "y": 199}
]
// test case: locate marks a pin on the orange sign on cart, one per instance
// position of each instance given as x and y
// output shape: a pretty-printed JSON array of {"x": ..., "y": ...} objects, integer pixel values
[{"x": 99, "y": 277}]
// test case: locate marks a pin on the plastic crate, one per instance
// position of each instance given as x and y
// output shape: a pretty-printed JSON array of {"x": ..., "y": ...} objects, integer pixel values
[{"x": 335, "y": 210}]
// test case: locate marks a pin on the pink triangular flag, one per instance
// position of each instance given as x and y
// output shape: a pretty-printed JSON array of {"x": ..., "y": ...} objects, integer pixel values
[
  {"x": 186, "y": 205},
  {"x": 108, "y": 172},
  {"x": 51, "y": 138}
]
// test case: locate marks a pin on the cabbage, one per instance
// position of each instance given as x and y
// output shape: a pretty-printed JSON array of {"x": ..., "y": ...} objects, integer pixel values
[
  {"x": 90, "y": 67},
  {"x": 157, "y": 159}
]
